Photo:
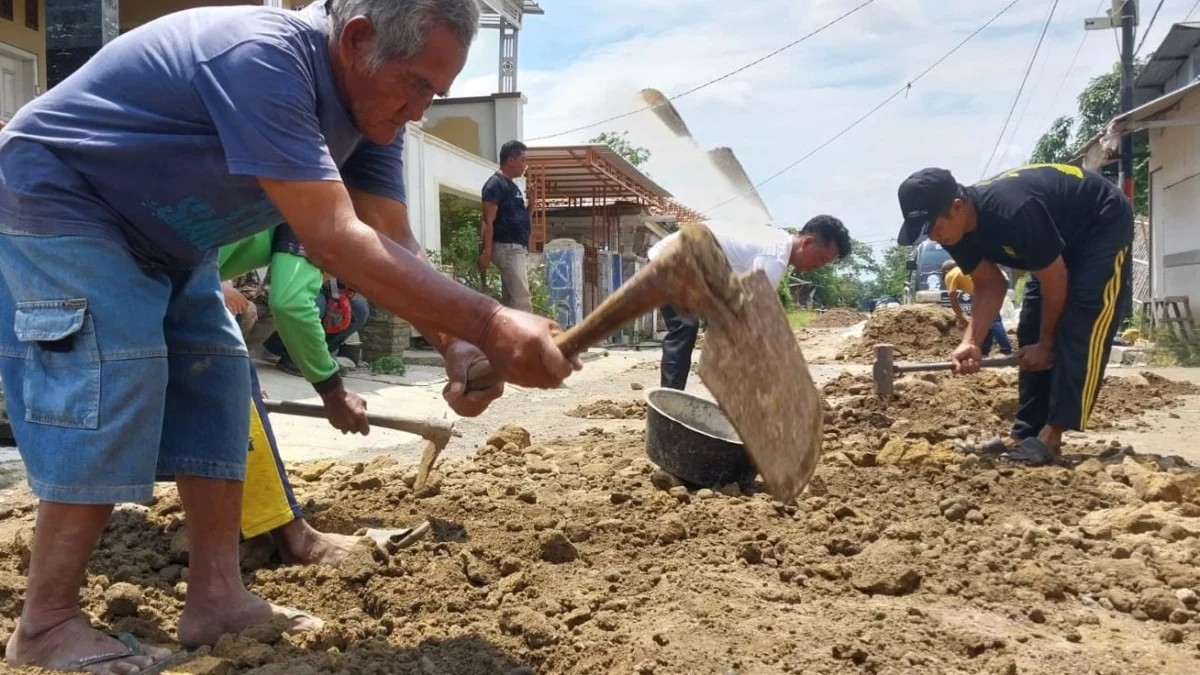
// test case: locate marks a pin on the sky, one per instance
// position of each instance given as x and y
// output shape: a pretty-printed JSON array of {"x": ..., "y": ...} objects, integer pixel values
[{"x": 585, "y": 60}]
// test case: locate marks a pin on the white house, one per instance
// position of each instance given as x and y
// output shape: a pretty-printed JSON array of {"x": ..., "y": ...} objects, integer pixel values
[{"x": 1170, "y": 85}]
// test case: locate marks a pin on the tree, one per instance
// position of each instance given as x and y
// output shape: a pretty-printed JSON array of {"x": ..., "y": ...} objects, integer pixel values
[
  {"x": 620, "y": 144},
  {"x": 893, "y": 271},
  {"x": 1097, "y": 104},
  {"x": 1055, "y": 146}
]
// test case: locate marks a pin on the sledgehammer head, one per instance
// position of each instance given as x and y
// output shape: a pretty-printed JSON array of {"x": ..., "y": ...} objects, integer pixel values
[{"x": 753, "y": 366}]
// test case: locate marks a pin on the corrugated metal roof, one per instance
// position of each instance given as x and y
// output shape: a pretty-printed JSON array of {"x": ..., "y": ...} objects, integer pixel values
[
  {"x": 1170, "y": 55},
  {"x": 567, "y": 167}
]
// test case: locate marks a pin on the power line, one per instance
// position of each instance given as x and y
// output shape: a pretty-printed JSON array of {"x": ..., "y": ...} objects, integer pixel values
[
  {"x": 1029, "y": 99},
  {"x": 1148, "y": 27},
  {"x": 872, "y": 111},
  {"x": 1020, "y": 89},
  {"x": 1078, "y": 51},
  {"x": 1192, "y": 10},
  {"x": 711, "y": 82}
]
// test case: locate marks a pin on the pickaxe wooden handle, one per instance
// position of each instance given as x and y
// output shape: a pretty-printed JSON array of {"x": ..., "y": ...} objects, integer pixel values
[
  {"x": 439, "y": 431},
  {"x": 686, "y": 276}
]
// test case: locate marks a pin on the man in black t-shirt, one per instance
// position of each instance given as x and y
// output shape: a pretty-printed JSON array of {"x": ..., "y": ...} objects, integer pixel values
[
  {"x": 1073, "y": 230},
  {"x": 505, "y": 231}
]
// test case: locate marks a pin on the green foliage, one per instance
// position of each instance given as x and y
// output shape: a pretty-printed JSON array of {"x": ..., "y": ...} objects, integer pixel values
[
  {"x": 785, "y": 293},
  {"x": 460, "y": 254},
  {"x": 893, "y": 271},
  {"x": 620, "y": 144},
  {"x": 1055, "y": 146},
  {"x": 1098, "y": 103},
  {"x": 388, "y": 365}
]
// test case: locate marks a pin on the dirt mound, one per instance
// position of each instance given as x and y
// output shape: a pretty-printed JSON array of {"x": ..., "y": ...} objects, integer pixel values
[
  {"x": 606, "y": 409},
  {"x": 918, "y": 332},
  {"x": 575, "y": 557},
  {"x": 838, "y": 317},
  {"x": 940, "y": 407}
]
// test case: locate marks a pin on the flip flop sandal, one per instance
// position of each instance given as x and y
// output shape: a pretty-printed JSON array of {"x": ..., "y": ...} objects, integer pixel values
[
  {"x": 1030, "y": 452},
  {"x": 132, "y": 648},
  {"x": 394, "y": 540},
  {"x": 993, "y": 447}
]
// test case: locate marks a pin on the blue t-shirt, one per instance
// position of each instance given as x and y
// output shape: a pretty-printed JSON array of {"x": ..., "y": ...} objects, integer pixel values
[
  {"x": 159, "y": 139},
  {"x": 512, "y": 224}
]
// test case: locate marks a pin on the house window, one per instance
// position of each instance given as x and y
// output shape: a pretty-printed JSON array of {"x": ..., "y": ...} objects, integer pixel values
[
  {"x": 6, "y": 9},
  {"x": 32, "y": 10}
]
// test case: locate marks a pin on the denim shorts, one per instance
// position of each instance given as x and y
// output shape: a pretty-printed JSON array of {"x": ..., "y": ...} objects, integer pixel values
[{"x": 116, "y": 375}]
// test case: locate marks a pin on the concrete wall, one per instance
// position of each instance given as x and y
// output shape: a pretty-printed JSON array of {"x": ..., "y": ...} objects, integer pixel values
[
  {"x": 431, "y": 166},
  {"x": 17, "y": 36},
  {"x": 1175, "y": 205},
  {"x": 479, "y": 124},
  {"x": 137, "y": 12}
]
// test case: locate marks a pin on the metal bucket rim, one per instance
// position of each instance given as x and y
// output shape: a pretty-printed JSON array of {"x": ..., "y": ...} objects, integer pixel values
[{"x": 676, "y": 392}]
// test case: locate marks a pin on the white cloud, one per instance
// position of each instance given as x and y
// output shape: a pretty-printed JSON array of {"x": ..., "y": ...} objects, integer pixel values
[{"x": 781, "y": 109}]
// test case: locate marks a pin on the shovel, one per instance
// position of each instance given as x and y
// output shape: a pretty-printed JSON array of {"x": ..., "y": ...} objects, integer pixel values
[{"x": 751, "y": 362}]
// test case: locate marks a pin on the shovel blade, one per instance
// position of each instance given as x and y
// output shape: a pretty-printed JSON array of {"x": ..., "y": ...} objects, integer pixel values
[{"x": 754, "y": 368}]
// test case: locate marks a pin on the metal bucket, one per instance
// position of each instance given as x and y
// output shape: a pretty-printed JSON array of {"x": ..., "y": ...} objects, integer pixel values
[{"x": 690, "y": 437}]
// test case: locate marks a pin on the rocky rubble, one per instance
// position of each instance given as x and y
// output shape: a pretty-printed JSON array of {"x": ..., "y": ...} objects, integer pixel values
[
  {"x": 577, "y": 556},
  {"x": 918, "y": 332}
]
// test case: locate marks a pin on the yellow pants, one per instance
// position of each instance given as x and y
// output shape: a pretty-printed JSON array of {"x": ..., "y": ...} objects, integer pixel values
[{"x": 267, "y": 499}]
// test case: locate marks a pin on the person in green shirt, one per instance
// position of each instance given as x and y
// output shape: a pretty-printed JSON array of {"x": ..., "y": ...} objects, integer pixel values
[{"x": 268, "y": 504}]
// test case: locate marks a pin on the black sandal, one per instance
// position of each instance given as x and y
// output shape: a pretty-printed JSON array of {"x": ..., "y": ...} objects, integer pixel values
[{"x": 1030, "y": 452}]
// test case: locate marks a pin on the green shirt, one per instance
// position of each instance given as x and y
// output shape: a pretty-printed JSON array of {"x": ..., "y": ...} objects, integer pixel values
[{"x": 295, "y": 287}]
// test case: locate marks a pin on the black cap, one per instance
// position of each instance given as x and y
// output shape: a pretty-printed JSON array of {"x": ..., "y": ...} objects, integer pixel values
[{"x": 923, "y": 197}]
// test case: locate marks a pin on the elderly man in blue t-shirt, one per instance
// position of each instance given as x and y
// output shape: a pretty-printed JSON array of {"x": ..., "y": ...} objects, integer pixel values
[{"x": 121, "y": 364}]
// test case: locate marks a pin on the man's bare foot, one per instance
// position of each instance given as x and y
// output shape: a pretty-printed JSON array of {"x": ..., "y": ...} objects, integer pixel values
[
  {"x": 204, "y": 621},
  {"x": 59, "y": 646},
  {"x": 302, "y": 544}
]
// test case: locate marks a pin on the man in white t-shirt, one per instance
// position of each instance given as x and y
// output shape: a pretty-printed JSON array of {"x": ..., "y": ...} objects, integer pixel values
[{"x": 750, "y": 247}]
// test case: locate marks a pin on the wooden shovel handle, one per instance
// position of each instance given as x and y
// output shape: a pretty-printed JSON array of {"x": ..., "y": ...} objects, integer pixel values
[{"x": 644, "y": 292}]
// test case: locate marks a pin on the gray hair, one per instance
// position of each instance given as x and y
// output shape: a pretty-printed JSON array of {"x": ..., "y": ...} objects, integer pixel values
[{"x": 402, "y": 27}]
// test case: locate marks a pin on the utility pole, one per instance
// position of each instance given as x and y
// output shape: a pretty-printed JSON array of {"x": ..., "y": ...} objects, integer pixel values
[{"x": 1128, "y": 20}]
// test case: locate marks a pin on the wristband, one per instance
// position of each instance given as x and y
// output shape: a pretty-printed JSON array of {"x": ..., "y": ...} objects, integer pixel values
[{"x": 328, "y": 385}]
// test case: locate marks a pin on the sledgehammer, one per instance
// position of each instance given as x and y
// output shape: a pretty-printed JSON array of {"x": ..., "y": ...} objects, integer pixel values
[
  {"x": 885, "y": 369},
  {"x": 752, "y": 363}
]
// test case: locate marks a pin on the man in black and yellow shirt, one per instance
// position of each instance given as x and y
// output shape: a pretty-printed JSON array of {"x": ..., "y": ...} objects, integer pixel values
[{"x": 1072, "y": 229}]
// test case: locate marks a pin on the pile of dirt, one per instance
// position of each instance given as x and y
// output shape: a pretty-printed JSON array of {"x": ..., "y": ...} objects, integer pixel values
[
  {"x": 838, "y": 317},
  {"x": 940, "y": 407},
  {"x": 918, "y": 332},
  {"x": 577, "y": 556},
  {"x": 606, "y": 409}
]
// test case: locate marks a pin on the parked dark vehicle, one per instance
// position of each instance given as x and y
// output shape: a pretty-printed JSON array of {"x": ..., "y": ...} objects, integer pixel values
[{"x": 925, "y": 282}]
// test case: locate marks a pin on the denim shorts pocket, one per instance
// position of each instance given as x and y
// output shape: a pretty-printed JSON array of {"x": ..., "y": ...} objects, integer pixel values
[{"x": 62, "y": 363}]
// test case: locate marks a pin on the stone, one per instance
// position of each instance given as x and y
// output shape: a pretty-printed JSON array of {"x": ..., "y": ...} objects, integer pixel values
[
  {"x": 556, "y": 549},
  {"x": 384, "y": 335},
  {"x": 313, "y": 472},
  {"x": 510, "y": 433},
  {"x": 1049, "y": 584},
  {"x": 1158, "y": 603},
  {"x": 534, "y": 628},
  {"x": 122, "y": 599},
  {"x": 893, "y": 581},
  {"x": 1187, "y": 596},
  {"x": 671, "y": 530},
  {"x": 636, "y": 386},
  {"x": 1121, "y": 599}
]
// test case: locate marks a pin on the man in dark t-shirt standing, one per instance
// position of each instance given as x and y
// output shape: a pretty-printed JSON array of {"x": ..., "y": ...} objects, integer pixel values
[
  {"x": 505, "y": 231},
  {"x": 1073, "y": 230}
]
